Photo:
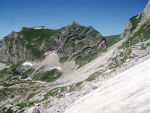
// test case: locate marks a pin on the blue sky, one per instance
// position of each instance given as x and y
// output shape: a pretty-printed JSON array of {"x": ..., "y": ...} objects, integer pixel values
[{"x": 109, "y": 17}]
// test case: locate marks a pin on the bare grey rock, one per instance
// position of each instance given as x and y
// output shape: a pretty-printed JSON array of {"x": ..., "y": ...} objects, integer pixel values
[{"x": 36, "y": 111}]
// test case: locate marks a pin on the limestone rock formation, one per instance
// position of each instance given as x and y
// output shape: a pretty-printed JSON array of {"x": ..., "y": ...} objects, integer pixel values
[
  {"x": 31, "y": 44},
  {"x": 135, "y": 38}
]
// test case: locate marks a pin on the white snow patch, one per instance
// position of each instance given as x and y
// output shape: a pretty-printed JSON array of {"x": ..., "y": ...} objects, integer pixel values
[
  {"x": 53, "y": 54},
  {"x": 128, "y": 92},
  {"x": 28, "y": 79},
  {"x": 50, "y": 53},
  {"x": 27, "y": 64},
  {"x": 40, "y": 82},
  {"x": 58, "y": 68}
]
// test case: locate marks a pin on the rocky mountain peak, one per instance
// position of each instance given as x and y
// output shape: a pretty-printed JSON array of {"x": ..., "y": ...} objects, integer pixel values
[
  {"x": 75, "y": 23},
  {"x": 69, "y": 41},
  {"x": 13, "y": 34},
  {"x": 137, "y": 21}
]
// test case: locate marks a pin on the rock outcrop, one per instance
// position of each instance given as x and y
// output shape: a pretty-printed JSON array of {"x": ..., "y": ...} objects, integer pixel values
[
  {"x": 136, "y": 39},
  {"x": 31, "y": 44}
]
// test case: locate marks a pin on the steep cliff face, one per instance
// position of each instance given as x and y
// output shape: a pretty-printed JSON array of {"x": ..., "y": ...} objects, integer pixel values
[
  {"x": 31, "y": 44},
  {"x": 136, "y": 22},
  {"x": 136, "y": 40}
]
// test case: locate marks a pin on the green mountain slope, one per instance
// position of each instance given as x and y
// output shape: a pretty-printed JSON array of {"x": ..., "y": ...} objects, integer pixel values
[{"x": 31, "y": 44}]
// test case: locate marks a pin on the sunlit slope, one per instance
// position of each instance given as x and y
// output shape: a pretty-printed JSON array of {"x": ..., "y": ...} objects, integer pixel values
[{"x": 128, "y": 92}]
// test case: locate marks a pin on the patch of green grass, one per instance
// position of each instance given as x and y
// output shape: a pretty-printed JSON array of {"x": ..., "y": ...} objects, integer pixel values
[
  {"x": 32, "y": 95},
  {"x": 25, "y": 104},
  {"x": 37, "y": 35},
  {"x": 86, "y": 59},
  {"x": 6, "y": 110},
  {"x": 63, "y": 59},
  {"x": 11, "y": 73},
  {"x": 87, "y": 55},
  {"x": 80, "y": 44},
  {"x": 3, "y": 61},
  {"x": 135, "y": 20},
  {"x": 78, "y": 84},
  {"x": 6, "y": 71},
  {"x": 94, "y": 33},
  {"x": 37, "y": 53},
  {"x": 57, "y": 92},
  {"x": 48, "y": 76},
  {"x": 93, "y": 76},
  {"x": 7, "y": 85},
  {"x": 31, "y": 83},
  {"x": 112, "y": 39},
  {"x": 8, "y": 90},
  {"x": 141, "y": 35}
]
